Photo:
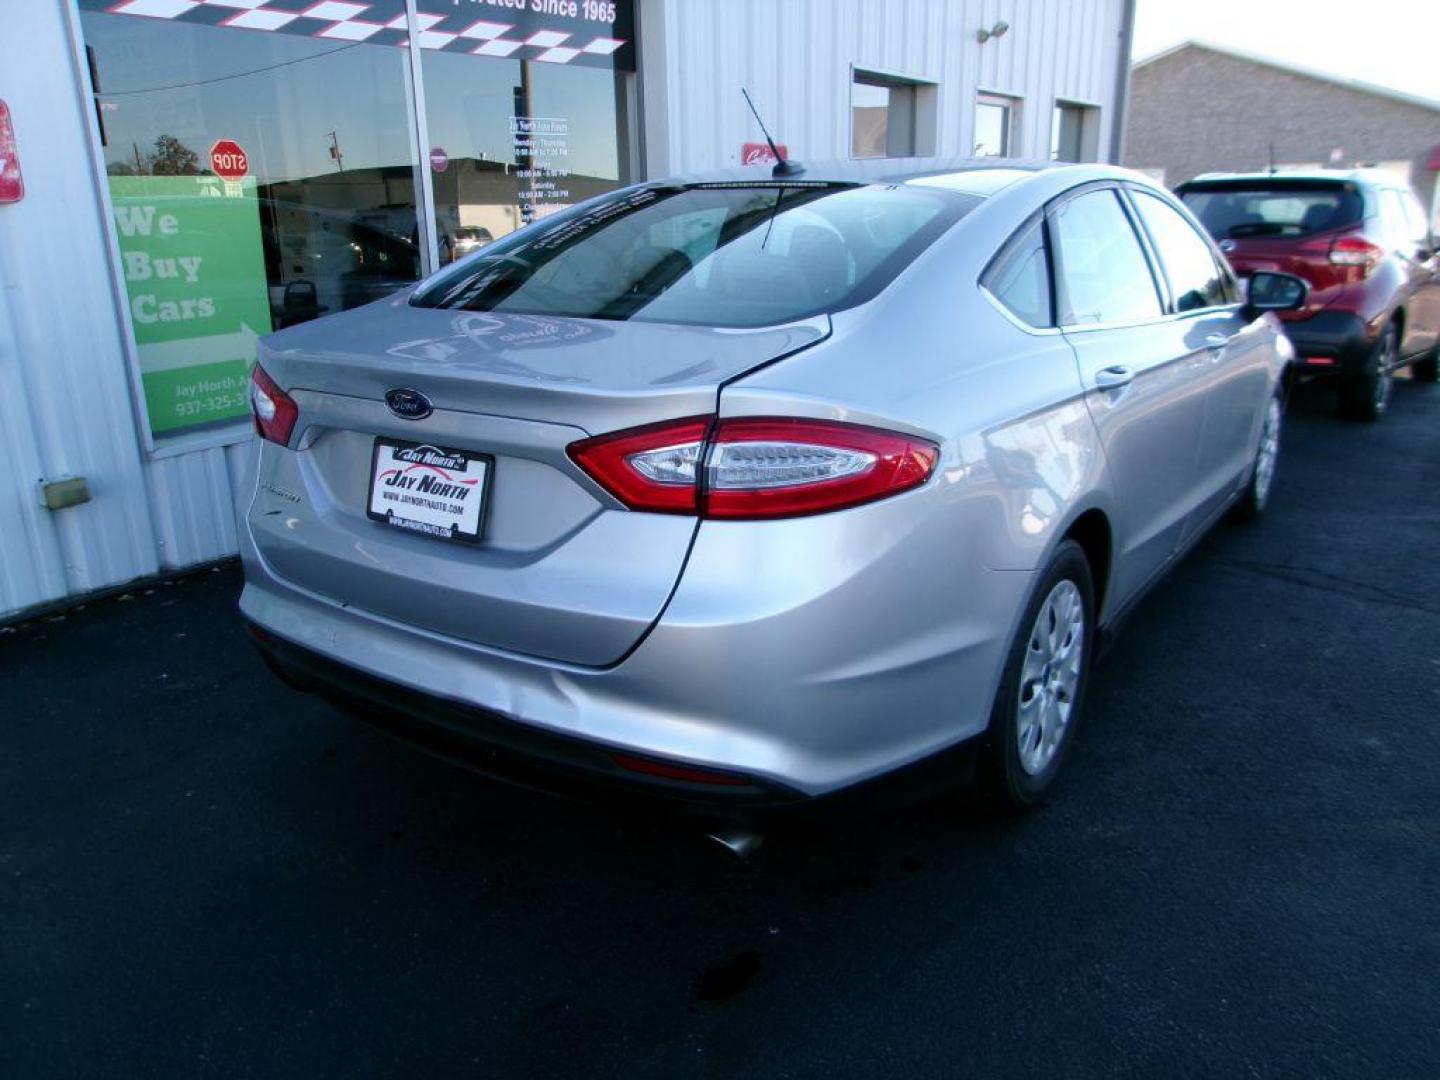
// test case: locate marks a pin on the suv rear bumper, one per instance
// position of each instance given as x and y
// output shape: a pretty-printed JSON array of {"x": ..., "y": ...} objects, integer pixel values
[{"x": 1340, "y": 337}]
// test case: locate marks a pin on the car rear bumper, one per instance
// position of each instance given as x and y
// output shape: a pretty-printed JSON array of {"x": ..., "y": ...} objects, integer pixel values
[
  {"x": 497, "y": 746},
  {"x": 1332, "y": 342},
  {"x": 796, "y": 676}
]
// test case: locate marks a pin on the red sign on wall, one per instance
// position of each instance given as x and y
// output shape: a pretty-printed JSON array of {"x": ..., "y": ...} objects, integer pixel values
[
  {"x": 12, "y": 184},
  {"x": 228, "y": 161},
  {"x": 758, "y": 153}
]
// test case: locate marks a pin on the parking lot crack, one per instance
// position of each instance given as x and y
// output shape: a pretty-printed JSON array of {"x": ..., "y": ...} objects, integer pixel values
[{"x": 1306, "y": 575}]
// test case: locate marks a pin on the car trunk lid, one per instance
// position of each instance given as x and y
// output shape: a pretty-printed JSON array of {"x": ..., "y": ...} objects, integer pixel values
[{"x": 560, "y": 571}]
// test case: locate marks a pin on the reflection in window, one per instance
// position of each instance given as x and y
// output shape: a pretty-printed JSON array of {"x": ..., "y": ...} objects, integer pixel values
[
  {"x": 324, "y": 127},
  {"x": 520, "y": 141}
]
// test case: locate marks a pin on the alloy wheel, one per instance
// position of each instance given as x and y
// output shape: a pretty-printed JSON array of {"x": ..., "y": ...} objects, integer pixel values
[
  {"x": 1050, "y": 676},
  {"x": 1268, "y": 453},
  {"x": 1385, "y": 377}
]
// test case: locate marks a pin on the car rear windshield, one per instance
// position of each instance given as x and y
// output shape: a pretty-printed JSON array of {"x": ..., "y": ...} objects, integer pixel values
[
  {"x": 731, "y": 255},
  {"x": 1274, "y": 208}
]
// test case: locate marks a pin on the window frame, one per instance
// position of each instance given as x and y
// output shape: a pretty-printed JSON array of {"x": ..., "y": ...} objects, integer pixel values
[
  {"x": 1088, "y": 135},
  {"x": 922, "y": 110},
  {"x": 1012, "y": 104}
]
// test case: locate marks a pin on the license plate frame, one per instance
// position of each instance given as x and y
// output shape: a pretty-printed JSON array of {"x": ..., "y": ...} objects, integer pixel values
[{"x": 446, "y": 480}]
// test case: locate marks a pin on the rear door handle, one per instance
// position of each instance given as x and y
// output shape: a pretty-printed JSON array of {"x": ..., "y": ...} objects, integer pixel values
[
  {"x": 1112, "y": 378},
  {"x": 1217, "y": 341}
]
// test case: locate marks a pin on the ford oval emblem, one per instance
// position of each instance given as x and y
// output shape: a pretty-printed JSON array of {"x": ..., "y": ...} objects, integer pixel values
[
  {"x": 1227, "y": 246},
  {"x": 408, "y": 404}
]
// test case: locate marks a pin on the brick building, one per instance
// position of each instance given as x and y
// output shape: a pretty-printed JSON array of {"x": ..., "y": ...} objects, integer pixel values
[{"x": 1205, "y": 108}]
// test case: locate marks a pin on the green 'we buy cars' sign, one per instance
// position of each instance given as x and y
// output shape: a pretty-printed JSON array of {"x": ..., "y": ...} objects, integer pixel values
[{"x": 195, "y": 274}]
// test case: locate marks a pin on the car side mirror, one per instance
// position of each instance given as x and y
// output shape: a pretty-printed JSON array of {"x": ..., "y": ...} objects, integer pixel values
[{"x": 1269, "y": 291}]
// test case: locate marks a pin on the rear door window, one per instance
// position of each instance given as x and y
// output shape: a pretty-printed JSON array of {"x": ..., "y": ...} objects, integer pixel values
[
  {"x": 1277, "y": 208},
  {"x": 723, "y": 254},
  {"x": 1196, "y": 280},
  {"x": 1103, "y": 272}
]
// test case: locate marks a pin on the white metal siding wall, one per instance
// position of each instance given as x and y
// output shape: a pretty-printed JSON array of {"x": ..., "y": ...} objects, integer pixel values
[
  {"x": 65, "y": 402},
  {"x": 795, "y": 57}
]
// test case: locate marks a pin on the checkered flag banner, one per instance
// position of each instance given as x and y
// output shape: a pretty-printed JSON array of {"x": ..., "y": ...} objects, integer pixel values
[{"x": 595, "y": 33}]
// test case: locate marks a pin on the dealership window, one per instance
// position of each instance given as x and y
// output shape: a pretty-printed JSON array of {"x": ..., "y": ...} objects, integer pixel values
[
  {"x": 995, "y": 126},
  {"x": 265, "y": 163},
  {"x": 891, "y": 116},
  {"x": 516, "y": 140},
  {"x": 1074, "y": 132},
  {"x": 318, "y": 216}
]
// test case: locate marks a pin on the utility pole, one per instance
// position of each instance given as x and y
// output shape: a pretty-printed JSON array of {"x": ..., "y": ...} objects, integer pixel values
[{"x": 335, "y": 151}]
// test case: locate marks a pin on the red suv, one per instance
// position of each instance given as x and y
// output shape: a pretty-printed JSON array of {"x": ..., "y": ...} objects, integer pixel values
[{"x": 1362, "y": 242}]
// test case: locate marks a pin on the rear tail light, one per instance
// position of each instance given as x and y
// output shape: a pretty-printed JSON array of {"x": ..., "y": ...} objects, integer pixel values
[
  {"x": 274, "y": 410},
  {"x": 1355, "y": 251},
  {"x": 782, "y": 468},
  {"x": 754, "y": 468},
  {"x": 648, "y": 468}
]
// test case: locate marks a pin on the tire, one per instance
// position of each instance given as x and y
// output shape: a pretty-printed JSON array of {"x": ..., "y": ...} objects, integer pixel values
[
  {"x": 1366, "y": 396},
  {"x": 1428, "y": 369},
  {"x": 1256, "y": 495},
  {"x": 1015, "y": 771}
]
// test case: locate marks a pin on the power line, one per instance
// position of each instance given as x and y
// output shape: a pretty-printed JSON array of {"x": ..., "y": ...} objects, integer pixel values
[{"x": 226, "y": 78}]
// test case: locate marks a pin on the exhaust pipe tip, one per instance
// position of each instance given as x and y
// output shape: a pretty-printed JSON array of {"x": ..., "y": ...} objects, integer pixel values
[{"x": 741, "y": 843}]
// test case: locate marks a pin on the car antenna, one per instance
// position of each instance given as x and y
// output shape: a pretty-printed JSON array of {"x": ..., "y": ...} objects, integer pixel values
[
  {"x": 782, "y": 167},
  {"x": 1272, "y": 159}
]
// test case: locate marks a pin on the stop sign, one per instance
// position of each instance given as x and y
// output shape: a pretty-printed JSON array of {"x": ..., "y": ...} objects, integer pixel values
[{"x": 228, "y": 161}]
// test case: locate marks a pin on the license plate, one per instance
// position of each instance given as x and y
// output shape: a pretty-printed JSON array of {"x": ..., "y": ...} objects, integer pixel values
[{"x": 431, "y": 490}]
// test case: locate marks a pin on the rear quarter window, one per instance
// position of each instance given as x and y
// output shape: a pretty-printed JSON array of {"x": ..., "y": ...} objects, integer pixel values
[{"x": 1019, "y": 277}]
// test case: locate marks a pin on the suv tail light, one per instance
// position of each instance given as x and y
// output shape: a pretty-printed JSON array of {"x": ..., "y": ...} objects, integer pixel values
[
  {"x": 748, "y": 468},
  {"x": 1355, "y": 251},
  {"x": 274, "y": 410}
]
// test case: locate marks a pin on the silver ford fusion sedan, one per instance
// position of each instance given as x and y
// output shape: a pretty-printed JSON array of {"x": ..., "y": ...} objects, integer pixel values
[{"x": 745, "y": 489}]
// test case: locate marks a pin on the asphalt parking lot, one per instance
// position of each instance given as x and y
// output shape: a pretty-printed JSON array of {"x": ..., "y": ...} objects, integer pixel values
[{"x": 204, "y": 874}]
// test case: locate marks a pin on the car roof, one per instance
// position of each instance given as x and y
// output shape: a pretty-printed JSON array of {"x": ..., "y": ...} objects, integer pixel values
[{"x": 982, "y": 177}]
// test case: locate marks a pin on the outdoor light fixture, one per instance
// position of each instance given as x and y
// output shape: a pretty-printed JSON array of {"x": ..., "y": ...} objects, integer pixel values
[{"x": 998, "y": 30}]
